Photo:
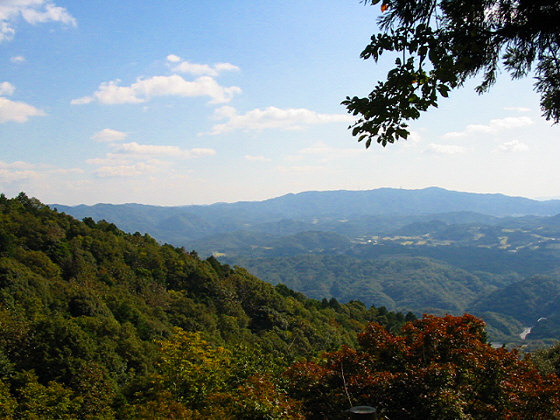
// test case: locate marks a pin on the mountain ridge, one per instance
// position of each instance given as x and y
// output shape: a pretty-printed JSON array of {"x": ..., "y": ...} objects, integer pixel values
[
  {"x": 198, "y": 221},
  {"x": 315, "y": 193}
]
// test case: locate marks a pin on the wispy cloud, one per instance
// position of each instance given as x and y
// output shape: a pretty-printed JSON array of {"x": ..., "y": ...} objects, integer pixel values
[
  {"x": 517, "y": 108},
  {"x": 128, "y": 165},
  {"x": 18, "y": 59},
  {"x": 133, "y": 159},
  {"x": 110, "y": 159},
  {"x": 493, "y": 126},
  {"x": 132, "y": 170},
  {"x": 446, "y": 149},
  {"x": 172, "y": 58},
  {"x": 17, "y": 111},
  {"x": 6, "y": 88},
  {"x": 143, "y": 90},
  {"x": 9, "y": 175},
  {"x": 184, "y": 66},
  {"x": 513, "y": 146},
  {"x": 16, "y": 165},
  {"x": 21, "y": 171},
  {"x": 414, "y": 137},
  {"x": 65, "y": 171},
  {"x": 300, "y": 169},
  {"x": 136, "y": 149},
  {"x": 33, "y": 12},
  {"x": 272, "y": 117},
  {"x": 257, "y": 158},
  {"x": 108, "y": 135}
]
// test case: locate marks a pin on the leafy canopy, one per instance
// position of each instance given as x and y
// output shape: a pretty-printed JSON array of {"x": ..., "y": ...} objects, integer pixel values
[
  {"x": 442, "y": 43},
  {"x": 436, "y": 368},
  {"x": 96, "y": 323}
]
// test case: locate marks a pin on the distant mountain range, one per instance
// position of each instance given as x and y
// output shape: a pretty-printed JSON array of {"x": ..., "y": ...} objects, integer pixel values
[
  {"x": 428, "y": 250},
  {"x": 182, "y": 224}
]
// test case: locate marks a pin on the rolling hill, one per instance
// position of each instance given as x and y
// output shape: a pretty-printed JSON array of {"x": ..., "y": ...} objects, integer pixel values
[{"x": 429, "y": 250}]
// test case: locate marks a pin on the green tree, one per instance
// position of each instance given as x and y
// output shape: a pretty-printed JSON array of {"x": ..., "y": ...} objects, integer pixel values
[
  {"x": 442, "y": 43},
  {"x": 8, "y": 403},
  {"x": 37, "y": 401},
  {"x": 89, "y": 319},
  {"x": 191, "y": 368}
]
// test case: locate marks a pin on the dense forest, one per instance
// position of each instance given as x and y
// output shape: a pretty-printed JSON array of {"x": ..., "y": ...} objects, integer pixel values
[
  {"x": 451, "y": 249},
  {"x": 96, "y": 323}
]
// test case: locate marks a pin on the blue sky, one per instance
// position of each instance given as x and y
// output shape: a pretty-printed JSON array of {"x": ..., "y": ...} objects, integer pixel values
[{"x": 185, "y": 102}]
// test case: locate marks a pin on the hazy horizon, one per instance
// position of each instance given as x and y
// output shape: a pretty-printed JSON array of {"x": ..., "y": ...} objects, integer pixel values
[{"x": 293, "y": 193}]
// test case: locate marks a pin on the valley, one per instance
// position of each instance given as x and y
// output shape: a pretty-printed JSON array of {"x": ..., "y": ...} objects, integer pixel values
[{"x": 424, "y": 251}]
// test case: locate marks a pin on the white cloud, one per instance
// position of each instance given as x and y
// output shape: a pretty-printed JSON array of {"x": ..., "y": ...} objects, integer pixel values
[
  {"x": 108, "y": 135},
  {"x": 82, "y": 101},
  {"x": 145, "y": 89},
  {"x": 6, "y": 31},
  {"x": 20, "y": 171},
  {"x": 110, "y": 159},
  {"x": 494, "y": 126},
  {"x": 7, "y": 175},
  {"x": 414, "y": 137},
  {"x": 199, "y": 69},
  {"x": 16, "y": 165},
  {"x": 133, "y": 159},
  {"x": 50, "y": 13},
  {"x": 158, "y": 150},
  {"x": 17, "y": 171},
  {"x": 195, "y": 69},
  {"x": 17, "y": 111},
  {"x": 110, "y": 93},
  {"x": 225, "y": 67},
  {"x": 18, "y": 59},
  {"x": 300, "y": 169},
  {"x": 446, "y": 149},
  {"x": 257, "y": 158},
  {"x": 136, "y": 169},
  {"x": 513, "y": 146},
  {"x": 172, "y": 58},
  {"x": 33, "y": 12},
  {"x": 65, "y": 171},
  {"x": 224, "y": 112},
  {"x": 113, "y": 167},
  {"x": 6, "y": 88},
  {"x": 272, "y": 117}
]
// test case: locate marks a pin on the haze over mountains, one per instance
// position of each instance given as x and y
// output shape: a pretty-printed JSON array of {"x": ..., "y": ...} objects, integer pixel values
[
  {"x": 185, "y": 223},
  {"x": 429, "y": 250}
]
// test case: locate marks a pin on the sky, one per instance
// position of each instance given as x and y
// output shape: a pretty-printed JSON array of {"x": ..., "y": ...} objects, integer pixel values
[{"x": 180, "y": 102}]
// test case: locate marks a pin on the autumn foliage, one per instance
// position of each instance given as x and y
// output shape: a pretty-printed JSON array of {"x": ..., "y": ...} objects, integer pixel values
[{"x": 437, "y": 368}]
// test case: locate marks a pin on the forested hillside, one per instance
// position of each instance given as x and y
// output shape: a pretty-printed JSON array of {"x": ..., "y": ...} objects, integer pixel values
[
  {"x": 419, "y": 284},
  {"x": 98, "y": 323},
  {"x": 427, "y": 251}
]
